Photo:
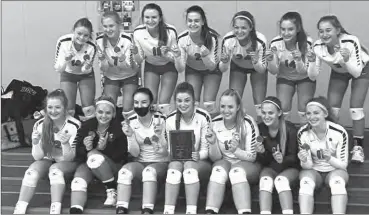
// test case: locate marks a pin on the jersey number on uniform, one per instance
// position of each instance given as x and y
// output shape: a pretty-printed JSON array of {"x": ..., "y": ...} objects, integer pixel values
[
  {"x": 197, "y": 56},
  {"x": 156, "y": 51},
  {"x": 115, "y": 58},
  {"x": 76, "y": 63},
  {"x": 240, "y": 56}
]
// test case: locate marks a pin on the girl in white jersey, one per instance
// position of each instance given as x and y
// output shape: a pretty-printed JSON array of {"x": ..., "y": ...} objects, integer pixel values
[
  {"x": 232, "y": 140},
  {"x": 155, "y": 39},
  {"x": 74, "y": 58},
  {"x": 117, "y": 61},
  {"x": 243, "y": 52},
  {"x": 348, "y": 61},
  {"x": 54, "y": 151},
  {"x": 199, "y": 48},
  {"x": 145, "y": 132},
  {"x": 195, "y": 172},
  {"x": 324, "y": 157},
  {"x": 287, "y": 59}
]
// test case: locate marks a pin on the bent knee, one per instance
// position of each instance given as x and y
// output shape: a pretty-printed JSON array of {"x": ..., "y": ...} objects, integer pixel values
[
  {"x": 79, "y": 184},
  {"x": 95, "y": 161},
  {"x": 149, "y": 174},
  {"x": 266, "y": 184},
  {"x": 190, "y": 176},
  {"x": 31, "y": 178},
  {"x": 237, "y": 175},
  {"x": 125, "y": 176},
  {"x": 176, "y": 165},
  {"x": 282, "y": 184},
  {"x": 219, "y": 175},
  {"x": 337, "y": 185},
  {"x": 307, "y": 186},
  {"x": 56, "y": 176}
]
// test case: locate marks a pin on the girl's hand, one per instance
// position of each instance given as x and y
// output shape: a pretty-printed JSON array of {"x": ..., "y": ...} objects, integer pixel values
[
  {"x": 210, "y": 136},
  {"x": 195, "y": 156},
  {"x": 204, "y": 51},
  {"x": 225, "y": 56},
  {"x": 88, "y": 142},
  {"x": 127, "y": 129},
  {"x": 310, "y": 55},
  {"x": 176, "y": 51},
  {"x": 345, "y": 52},
  {"x": 303, "y": 155}
]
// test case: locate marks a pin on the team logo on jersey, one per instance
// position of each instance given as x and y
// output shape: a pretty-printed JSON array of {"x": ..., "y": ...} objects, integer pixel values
[
  {"x": 240, "y": 57},
  {"x": 291, "y": 64},
  {"x": 337, "y": 65},
  {"x": 197, "y": 56}
]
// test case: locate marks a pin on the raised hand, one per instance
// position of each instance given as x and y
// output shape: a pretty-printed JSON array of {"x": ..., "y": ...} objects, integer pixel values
[
  {"x": 204, "y": 51},
  {"x": 127, "y": 129},
  {"x": 225, "y": 56}
]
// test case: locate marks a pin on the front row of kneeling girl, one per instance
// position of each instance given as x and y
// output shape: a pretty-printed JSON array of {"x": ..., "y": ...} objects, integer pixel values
[{"x": 231, "y": 147}]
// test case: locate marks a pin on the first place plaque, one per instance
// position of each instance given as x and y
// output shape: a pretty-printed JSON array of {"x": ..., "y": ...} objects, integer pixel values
[{"x": 181, "y": 144}]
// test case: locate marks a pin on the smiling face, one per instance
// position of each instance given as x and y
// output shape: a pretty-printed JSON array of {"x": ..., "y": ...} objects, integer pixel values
[
  {"x": 328, "y": 33},
  {"x": 55, "y": 108},
  {"x": 185, "y": 103},
  {"x": 315, "y": 115},
  {"x": 194, "y": 22},
  {"x": 270, "y": 114},
  {"x": 110, "y": 27},
  {"x": 288, "y": 30},
  {"x": 241, "y": 28},
  {"x": 151, "y": 18},
  {"x": 228, "y": 107},
  {"x": 81, "y": 35},
  {"x": 104, "y": 113}
]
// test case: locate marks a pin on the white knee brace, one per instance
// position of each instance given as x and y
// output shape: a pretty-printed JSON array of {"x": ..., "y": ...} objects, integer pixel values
[
  {"x": 125, "y": 177},
  {"x": 89, "y": 112},
  {"x": 173, "y": 176},
  {"x": 266, "y": 184},
  {"x": 302, "y": 116},
  {"x": 71, "y": 112},
  {"x": 190, "y": 176},
  {"x": 307, "y": 186},
  {"x": 338, "y": 185},
  {"x": 30, "y": 179},
  {"x": 127, "y": 114},
  {"x": 164, "y": 108},
  {"x": 282, "y": 184},
  {"x": 237, "y": 175},
  {"x": 56, "y": 176},
  {"x": 336, "y": 112},
  {"x": 258, "y": 109},
  {"x": 210, "y": 107},
  {"x": 149, "y": 174},
  {"x": 219, "y": 175},
  {"x": 95, "y": 161},
  {"x": 357, "y": 113},
  {"x": 79, "y": 184},
  {"x": 287, "y": 114}
]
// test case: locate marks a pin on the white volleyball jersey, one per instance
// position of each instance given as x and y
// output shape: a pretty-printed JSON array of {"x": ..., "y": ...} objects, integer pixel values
[
  {"x": 357, "y": 60},
  {"x": 199, "y": 124},
  {"x": 246, "y": 150},
  {"x": 149, "y": 47},
  {"x": 144, "y": 136},
  {"x": 240, "y": 54},
  {"x": 284, "y": 65},
  {"x": 190, "y": 53},
  {"x": 110, "y": 66},
  {"x": 336, "y": 141},
  {"x": 69, "y": 128},
  {"x": 74, "y": 66}
]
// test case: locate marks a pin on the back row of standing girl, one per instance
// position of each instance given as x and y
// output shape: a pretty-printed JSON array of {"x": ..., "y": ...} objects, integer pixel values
[{"x": 291, "y": 56}]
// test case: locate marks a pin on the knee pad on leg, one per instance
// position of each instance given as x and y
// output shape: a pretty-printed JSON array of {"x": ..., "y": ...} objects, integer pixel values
[
  {"x": 149, "y": 174},
  {"x": 210, "y": 107},
  {"x": 337, "y": 185},
  {"x": 302, "y": 116},
  {"x": 258, "y": 109},
  {"x": 266, "y": 184},
  {"x": 95, "y": 161},
  {"x": 164, "y": 108},
  {"x": 197, "y": 104},
  {"x": 190, "y": 176},
  {"x": 173, "y": 176},
  {"x": 357, "y": 113},
  {"x": 307, "y": 186},
  {"x": 237, "y": 175},
  {"x": 282, "y": 184},
  {"x": 125, "y": 177},
  {"x": 336, "y": 112},
  {"x": 287, "y": 114},
  {"x": 89, "y": 112},
  {"x": 30, "y": 179},
  {"x": 127, "y": 114},
  {"x": 219, "y": 175},
  {"x": 56, "y": 176},
  {"x": 71, "y": 112},
  {"x": 79, "y": 184}
]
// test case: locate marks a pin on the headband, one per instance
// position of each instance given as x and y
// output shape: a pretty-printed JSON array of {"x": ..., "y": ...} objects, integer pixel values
[
  {"x": 105, "y": 102},
  {"x": 270, "y": 101},
  {"x": 319, "y": 105},
  {"x": 245, "y": 17}
]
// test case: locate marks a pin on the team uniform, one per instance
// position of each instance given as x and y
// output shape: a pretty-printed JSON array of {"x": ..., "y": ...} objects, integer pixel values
[
  {"x": 148, "y": 166},
  {"x": 61, "y": 152},
  {"x": 240, "y": 59},
  {"x": 58, "y": 164},
  {"x": 114, "y": 71},
  {"x": 149, "y": 49},
  {"x": 224, "y": 135},
  {"x": 74, "y": 70},
  {"x": 353, "y": 68}
]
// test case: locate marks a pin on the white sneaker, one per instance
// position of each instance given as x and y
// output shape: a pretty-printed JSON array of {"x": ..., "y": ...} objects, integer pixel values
[
  {"x": 20, "y": 208},
  {"x": 55, "y": 208},
  {"x": 111, "y": 197},
  {"x": 357, "y": 154}
]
